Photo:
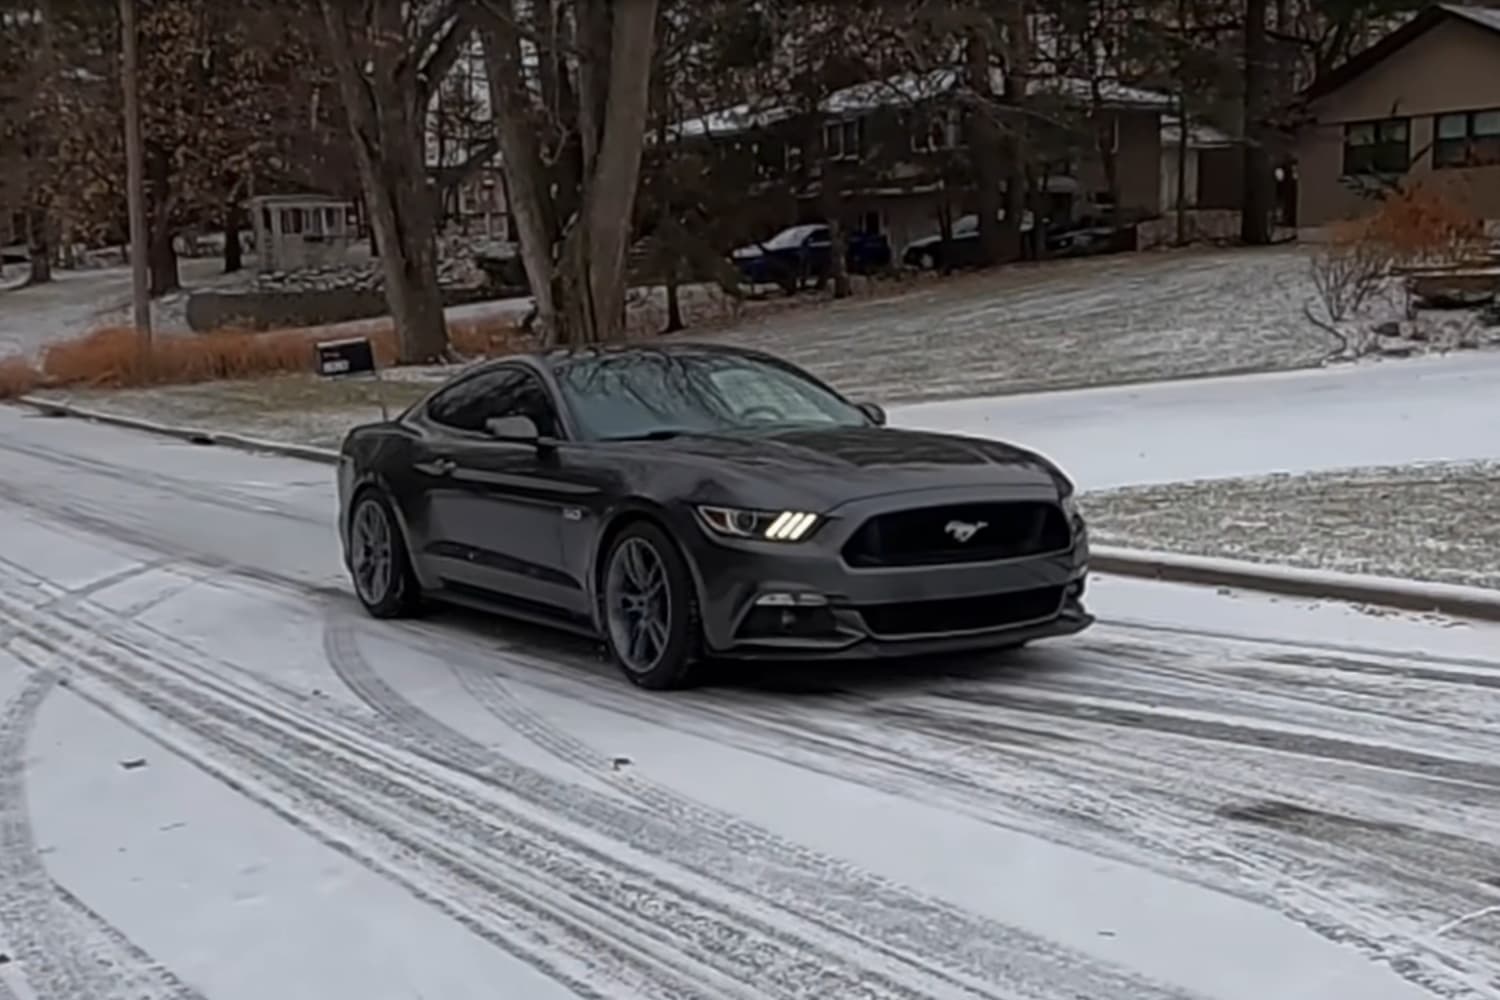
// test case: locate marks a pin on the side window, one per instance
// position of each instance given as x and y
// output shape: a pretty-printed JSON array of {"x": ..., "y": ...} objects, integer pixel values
[
  {"x": 467, "y": 405},
  {"x": 505, "y": 392},
  {"x": 530, "y": 399}
]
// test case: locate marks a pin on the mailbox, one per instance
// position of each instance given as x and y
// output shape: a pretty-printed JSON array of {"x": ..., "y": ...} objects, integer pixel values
[{"x": 352, "y": 356}]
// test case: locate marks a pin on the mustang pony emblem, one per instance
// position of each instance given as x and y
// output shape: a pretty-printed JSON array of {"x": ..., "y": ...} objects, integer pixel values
[{"x": 962, "y": 531}]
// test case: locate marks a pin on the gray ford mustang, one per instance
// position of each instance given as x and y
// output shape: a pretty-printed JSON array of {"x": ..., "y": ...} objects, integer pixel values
[{"x": 687, "y": 502}]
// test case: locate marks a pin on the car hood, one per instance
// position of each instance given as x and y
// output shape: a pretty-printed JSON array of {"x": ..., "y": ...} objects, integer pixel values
[{"x": 835, "y": 465}]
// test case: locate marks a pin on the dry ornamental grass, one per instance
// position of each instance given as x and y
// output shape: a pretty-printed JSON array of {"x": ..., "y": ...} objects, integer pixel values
[{"x": 118, "y": 357}]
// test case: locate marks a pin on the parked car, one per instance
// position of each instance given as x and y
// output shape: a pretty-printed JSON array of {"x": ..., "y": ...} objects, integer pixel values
[
  {"x": 687, "y": 502},
  {"x": 801, "y": 254},
  {"x": 962, "y": 248}
]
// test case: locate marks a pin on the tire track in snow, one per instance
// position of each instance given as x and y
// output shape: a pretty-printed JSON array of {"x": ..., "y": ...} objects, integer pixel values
[
  {"x": 808, "y": 974},
  {"x": 42, "y": 949},
  {"x": 869, "y": 911},
  {"x": 1282, "y": 739},
  {"x": 60, "y": 946},
  {"x": 1060, "y": 795},
  {"x": 1222, "y": 638},
  {"x": 351, "y": 818},
  {"x": 226, "y": 497}
]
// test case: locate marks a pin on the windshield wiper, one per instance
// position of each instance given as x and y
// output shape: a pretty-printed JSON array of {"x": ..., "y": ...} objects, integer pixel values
[{"x": 660, "y": 434}]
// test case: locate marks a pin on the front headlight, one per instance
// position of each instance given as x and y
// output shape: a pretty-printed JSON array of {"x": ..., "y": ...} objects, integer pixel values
[{"x": 774, "y": 526}]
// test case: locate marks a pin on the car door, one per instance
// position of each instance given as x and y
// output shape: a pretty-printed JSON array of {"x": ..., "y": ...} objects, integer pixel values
[
  {"x": 497, "y": 507},
  {"x": 817, "y": 253}
]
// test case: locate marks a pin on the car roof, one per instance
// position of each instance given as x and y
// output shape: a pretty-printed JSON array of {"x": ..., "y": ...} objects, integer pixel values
[{"x": 560, "y": 356}]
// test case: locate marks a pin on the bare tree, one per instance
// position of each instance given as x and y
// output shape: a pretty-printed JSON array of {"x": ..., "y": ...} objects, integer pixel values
[
  {"x": 571, "y": 149},
  {"x": 389, "y": 57}
]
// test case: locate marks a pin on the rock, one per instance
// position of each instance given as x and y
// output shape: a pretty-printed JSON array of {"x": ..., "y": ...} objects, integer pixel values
[{"x": 1396, "y": 350}]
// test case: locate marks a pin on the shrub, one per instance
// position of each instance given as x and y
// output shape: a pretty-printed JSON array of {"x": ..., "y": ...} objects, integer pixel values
[
  {"x": 17, "y": 377},
  {"x": 117, "y": 357},
  {"x": 1349, "y": 268},
  {"x": 1421, "y": 226}
]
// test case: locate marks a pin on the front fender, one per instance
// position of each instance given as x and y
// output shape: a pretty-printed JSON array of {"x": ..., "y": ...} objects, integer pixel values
[
  {"x": 368, "y": 479},
  {"x": 626, "y": 511}
]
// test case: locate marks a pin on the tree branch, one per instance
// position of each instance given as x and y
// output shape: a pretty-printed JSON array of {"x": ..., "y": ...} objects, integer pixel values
[
  {"x": 450, "y": 177},
  {"x": 445, "y": 51}
]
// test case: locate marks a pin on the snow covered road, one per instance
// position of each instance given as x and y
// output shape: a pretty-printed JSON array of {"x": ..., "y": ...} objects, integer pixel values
[{"x": 218, "y": 780}]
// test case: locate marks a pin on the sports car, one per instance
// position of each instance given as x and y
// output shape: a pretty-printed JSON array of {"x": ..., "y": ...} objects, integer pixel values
[{"x": 686, "y": 503}]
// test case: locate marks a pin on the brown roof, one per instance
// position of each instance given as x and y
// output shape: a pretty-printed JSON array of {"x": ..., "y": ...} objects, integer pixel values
[{"x": 1429, "y": 18}]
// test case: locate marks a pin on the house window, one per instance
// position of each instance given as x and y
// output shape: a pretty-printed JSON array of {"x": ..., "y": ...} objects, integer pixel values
[
  {"x": 842, "y": 139},
  {"x": 1382, "y": 147},
  {"x": 1467, "y": 139},
  {"x": 935, "y": 133}
]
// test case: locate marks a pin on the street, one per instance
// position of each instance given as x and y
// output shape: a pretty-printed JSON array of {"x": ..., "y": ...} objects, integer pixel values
[{"x": 219, "y": 779}]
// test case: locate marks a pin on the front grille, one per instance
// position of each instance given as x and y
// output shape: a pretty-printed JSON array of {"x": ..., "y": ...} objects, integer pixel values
[
  {"x": 961, "y": 614},
  {"x": 960, "y": 533}
]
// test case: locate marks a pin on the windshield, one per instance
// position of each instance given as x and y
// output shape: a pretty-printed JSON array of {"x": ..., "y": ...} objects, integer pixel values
[
  {"x": 789, "y": 238},
  {"x": 638, "y": 394}
]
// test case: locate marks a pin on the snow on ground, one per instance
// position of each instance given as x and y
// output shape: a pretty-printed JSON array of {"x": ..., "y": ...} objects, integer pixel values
[
  {"x": 1426, "y": 522},
  {"x": 241, "y": 786},
  {"x": 1102, "y": 320},
  {"x": 75, "y": 302},
  {"x": 1376, "y": 413}
]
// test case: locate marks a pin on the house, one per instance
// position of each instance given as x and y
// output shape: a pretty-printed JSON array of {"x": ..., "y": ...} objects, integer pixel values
[
  {"x": 897, "y": 147},
  {"x": 1214, "y": 167},
  {"x": 1423, "y": 102}
]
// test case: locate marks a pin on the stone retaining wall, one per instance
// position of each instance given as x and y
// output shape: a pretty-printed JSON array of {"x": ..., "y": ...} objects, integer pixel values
[{"x": 208, "y": 311}]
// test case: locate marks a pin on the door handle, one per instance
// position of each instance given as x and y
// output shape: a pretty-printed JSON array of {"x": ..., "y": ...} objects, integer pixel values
[{"x": 437, "y": 467}]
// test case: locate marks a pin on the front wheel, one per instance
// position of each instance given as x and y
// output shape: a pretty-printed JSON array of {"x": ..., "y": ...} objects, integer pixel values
[
  {"x": 384, "y": 580},
  {"x": 650, "y": 610}
]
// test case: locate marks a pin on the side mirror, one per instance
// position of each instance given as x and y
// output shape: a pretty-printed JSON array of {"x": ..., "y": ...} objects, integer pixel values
[
  {"x": 875, "y": 412},
  {"x": 515, "y": 430}
]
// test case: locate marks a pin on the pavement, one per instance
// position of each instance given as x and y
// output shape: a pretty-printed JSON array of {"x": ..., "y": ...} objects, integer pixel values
[{"x": 217, "y": 779}]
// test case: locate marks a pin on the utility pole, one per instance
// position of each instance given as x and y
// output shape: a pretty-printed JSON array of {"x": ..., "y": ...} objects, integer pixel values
[{"x": 134, "y": 173}]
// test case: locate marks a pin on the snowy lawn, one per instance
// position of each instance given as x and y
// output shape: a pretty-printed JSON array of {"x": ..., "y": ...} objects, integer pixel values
[
  {"x": 1428, "y": 522},
  {"x": 1099, "y": 321}
]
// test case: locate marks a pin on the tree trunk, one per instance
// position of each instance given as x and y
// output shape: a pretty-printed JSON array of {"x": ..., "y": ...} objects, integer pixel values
[
  {"x": 161, "y": 259},
  {"x": 612, "y": 184},
  {"x": 1255, "y": 207},
  {"x": 386, "y": 126},
  {"x": 234, "y": 221},
  {"x": 1183, "y": 144},
  {"x": 1015, "y": 148},
  {"x": 986, "y": 150},
  {"x": 39, "y": 245},
  {"x": 674, "y": 299},
  {"x": 526, "y": 183}
]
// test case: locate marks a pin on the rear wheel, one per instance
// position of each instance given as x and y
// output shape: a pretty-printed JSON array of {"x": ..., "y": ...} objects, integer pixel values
[
  {"x": 379, "y": 566},
  {"x": 650, "y": 609}
]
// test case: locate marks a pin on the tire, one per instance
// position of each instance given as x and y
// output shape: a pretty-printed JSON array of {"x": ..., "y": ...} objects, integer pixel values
[
  {"x": 927, "y": 262},
  {"x": 395, "y": 592},
  {"x": 631, "y": 593}
]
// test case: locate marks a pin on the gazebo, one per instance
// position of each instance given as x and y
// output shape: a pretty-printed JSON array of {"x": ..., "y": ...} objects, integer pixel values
[{"x": 296, "y": 231}]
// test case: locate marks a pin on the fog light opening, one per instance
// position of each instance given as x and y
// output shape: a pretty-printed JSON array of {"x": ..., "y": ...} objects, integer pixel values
[
  {"x": 791, "y": 600},
  {"x": 785, "y": 616}
]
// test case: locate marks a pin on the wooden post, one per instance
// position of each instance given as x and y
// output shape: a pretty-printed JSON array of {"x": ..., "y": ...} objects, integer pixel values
[{"x": 134, "y": 169}]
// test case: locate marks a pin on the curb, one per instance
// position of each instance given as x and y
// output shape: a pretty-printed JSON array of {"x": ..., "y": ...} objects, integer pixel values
[
  {"x": 1390, "y": 592},
  {"x": 53, "y": 408},
  {"x": 1294, "y": 581}
]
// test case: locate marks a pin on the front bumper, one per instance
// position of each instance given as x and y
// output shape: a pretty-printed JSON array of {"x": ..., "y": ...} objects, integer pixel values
[{"x": 828, "y": 609}]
